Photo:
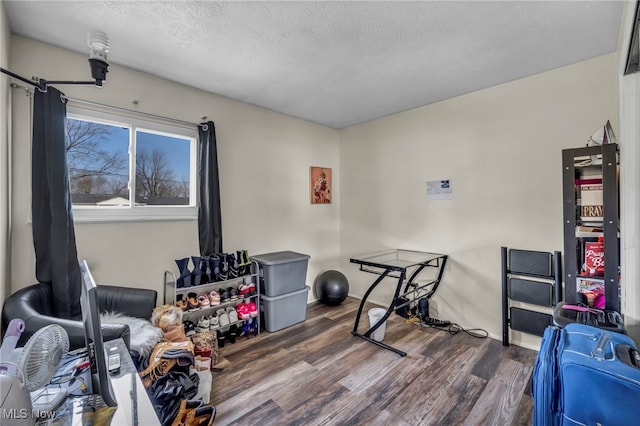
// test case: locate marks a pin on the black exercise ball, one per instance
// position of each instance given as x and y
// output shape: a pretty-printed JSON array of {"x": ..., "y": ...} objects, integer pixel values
[{"x": 332, "y": 287}]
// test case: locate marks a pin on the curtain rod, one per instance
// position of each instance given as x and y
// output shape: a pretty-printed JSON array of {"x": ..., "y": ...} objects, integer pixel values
[
  {"x": 41, "y": 84},
  {"x": 160, "y": 117},
  {"x": 82, "y": 101}
]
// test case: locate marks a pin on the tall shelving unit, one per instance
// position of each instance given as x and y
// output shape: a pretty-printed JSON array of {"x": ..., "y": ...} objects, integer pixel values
[{"x": 579, "y": 164}]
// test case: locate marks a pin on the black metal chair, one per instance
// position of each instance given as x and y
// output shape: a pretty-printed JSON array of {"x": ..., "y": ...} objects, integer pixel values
[{"x": 33, "y": 305}]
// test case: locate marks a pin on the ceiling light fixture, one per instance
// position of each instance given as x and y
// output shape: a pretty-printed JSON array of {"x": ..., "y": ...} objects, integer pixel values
[{"x": 99, "y": 46}]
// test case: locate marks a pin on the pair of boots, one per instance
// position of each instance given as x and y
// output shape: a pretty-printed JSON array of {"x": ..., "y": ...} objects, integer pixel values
[
  {"x": 244, "y": 262},
  {"x": 201, "y": 273},
  {"x": 206, "y": 269},
  {"x": 221, "y": 267},
  {"x": 228, "y": 336}
]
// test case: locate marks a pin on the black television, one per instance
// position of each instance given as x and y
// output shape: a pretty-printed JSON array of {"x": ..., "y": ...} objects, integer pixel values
[{"x": 100, "y": 382}]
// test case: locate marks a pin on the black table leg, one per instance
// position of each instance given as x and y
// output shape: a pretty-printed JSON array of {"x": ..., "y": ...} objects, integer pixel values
[{"x": 367, "y": 334}]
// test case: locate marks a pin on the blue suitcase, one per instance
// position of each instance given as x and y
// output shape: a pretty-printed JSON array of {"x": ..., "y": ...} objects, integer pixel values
[{"x": 585, "y": 375}]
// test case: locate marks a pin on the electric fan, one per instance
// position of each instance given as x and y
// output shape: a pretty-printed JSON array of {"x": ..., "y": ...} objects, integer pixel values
[
  {"x": 39, "y": 360},
  {"x": 14, "y": 396}
]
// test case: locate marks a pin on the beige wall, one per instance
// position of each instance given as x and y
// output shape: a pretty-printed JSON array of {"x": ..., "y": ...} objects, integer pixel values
[
  {"x": 501, "y": 149},
  {"x": 264, "y": 160},
  {"x": 5, "y": 153}
]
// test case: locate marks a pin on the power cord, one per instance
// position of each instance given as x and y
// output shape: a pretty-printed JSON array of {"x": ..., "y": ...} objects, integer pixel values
[
  {"x": 68, "y": 380},
  {"x": 448, "y": 326}
]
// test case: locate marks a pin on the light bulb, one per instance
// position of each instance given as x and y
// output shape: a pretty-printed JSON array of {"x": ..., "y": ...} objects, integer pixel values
[{"x": 99, "y": 46}]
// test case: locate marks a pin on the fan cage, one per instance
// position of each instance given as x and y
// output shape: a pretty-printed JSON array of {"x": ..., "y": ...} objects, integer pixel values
[{"x": 41, "y": 355}]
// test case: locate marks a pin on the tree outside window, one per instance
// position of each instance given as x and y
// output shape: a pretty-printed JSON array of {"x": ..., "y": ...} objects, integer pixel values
[{"x": 100, "y": 168}]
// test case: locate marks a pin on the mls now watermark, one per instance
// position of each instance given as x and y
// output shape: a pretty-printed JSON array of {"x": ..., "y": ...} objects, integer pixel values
[{"x": 25, "y": 413}]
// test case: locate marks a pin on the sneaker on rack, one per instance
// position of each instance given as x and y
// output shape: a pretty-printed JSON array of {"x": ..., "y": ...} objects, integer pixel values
[
  {"x": 224, "y": 296},
  {"x": 233, "y": 293},
  {"x": 247, "y": 290},
  {"x": 181, "y": 303},
  {"x": 203, "y": 300},
  {"x": 242, "y": 309},
  {"x": 213, "y": 321},
  {"x": 233, "y": 314},
  {"x": 223, "y": 317},
  {"x": 252, "y": 308},
  {"x": 243, "y": 290},
  {"x": 214, "y": 298},
  {"x": 192, "y": 302},
  {"x": 203, "y": 324}
]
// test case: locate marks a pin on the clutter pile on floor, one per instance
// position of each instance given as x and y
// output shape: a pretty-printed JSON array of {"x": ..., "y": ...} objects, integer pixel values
[{"x": 177, "y": 374}]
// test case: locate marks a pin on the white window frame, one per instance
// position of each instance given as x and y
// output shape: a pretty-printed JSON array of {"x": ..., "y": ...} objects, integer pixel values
[{"x": 133, "y": 213}]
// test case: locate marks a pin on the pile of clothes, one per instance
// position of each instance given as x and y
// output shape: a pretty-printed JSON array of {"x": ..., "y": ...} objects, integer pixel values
[{"x": 177, "y": 374}]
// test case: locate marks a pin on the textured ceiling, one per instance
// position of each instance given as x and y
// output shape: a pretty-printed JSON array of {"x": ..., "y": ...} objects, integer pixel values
[{"x": 333, "y": 63}]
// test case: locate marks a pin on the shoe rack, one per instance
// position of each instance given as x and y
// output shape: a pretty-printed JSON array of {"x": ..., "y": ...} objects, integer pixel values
[{"x": 173, "y": 293}]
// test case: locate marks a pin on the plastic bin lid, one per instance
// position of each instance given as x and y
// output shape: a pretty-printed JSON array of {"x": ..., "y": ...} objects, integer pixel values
[
  {"x": 279, "y": 257},
  {"x": 286, "y": 295}
]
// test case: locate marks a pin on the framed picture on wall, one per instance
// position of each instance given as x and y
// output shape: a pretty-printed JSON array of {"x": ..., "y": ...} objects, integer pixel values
[{"x": 320, "y": 185}]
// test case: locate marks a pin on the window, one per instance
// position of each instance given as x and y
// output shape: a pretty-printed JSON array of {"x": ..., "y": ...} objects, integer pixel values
[{"x": 126, "y": 168}]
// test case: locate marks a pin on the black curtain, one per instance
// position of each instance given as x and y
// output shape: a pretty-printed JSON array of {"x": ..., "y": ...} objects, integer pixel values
[
  {"x": 209, "y": 214},
  {"x": 54, "y": 238}
]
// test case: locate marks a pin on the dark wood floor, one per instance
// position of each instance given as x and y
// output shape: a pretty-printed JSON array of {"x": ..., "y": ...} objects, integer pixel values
[{"x": 318, "y": 373}]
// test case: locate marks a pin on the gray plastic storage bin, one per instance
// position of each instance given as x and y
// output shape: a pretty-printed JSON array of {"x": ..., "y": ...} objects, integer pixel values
[
  {"x": 283, "y": 311},
  {"x": 282, "y": 272}
]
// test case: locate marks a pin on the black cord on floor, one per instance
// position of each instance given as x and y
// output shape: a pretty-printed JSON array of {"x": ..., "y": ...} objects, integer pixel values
[
  {"x": 451, "y": 328},
  {"x": 457, "y": 328}
]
